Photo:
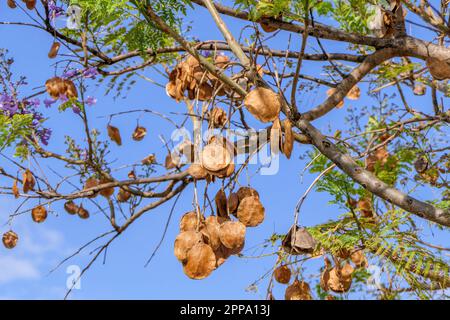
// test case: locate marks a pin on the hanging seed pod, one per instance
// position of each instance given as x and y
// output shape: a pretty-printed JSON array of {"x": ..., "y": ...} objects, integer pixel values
[
  {"x": 139, "y": 133},
  {"x": 232, "y": 234},
  {"x": 421, "y": 164},
  {"x": 217, "y": 118},
  {"x": 251, "y": 212},
  {"x": 114, "y": 134},
  {"x": 275, "y": 137},
  {"x": 420, "y": 89},
  {"x": 123, "y": 195},
  {"x": 187, "y": 149},
  {"x": 365, "y": 207},
  {"x": 440, "y": 70},
  {"x": 330, "y": 92},
  {"x": 282, "y": 274},
  {"x": 132, "y": 175},
  {"x": 31, "y": 4},
  {"x": 221, "y": 203},
  {"x": 263, "y": 104},
  {"x": 28, "y": 181},
  {"x": 340, "y": 281},
  {"x": 268, "y": 27},
  {"x": 71, "y": 207},
  {"x": 149, "y": 160},
  {"x": 55, "y": 87},
  {"x": 343, "y": 253},
  {"x": 39, "y": 214},
  {"x": 54, "y": 49},
  {"x": 197, "y": 171},
  {"x": 69, "y": 89},
  {"x": 12, "y": 4},
  {"x": 10, "y": 239},
  {"x": 354, "y": 93},
  {"x": 82, "y": 212},
  {"x": 91, "y": 183},
  {"x": 245, "y": 192},
  {"x": 172, "y": 161},
  {"x": 189, "y": 221},
  {"x": 201, "y": 262},
  {"x": 298, "y": 291},
  {"x": 215, "y": 157},
  {"x": 15, "y": 190},
  {"x": 204, "y": 92},
  {"x": 288, "y": 142},
  {"x": 329, "y": 297},
  {"x": 211, "y": 230},
  {"x": 359, "y": 259},
  {"x": 222, "y": 254},
  {"x": 106, "y": 192},
  {"x": 184, "y": 242},
  {"x": 232, "y": 202},
  {"x": 298, "y": 241}
]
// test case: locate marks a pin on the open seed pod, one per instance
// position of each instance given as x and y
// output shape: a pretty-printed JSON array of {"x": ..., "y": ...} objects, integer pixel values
[
  {"x": 123, "y": 195},
  {"x": 250, "y": 211},
  {"x": 139, "y": 133},
  {"x": 189, "y": 221},
  {"x": 298, "y": 291},
  {"x": 10, "y": 239},
  {"x": 340, "y": 281},
  {"x": 15, "y": 190},
  {"x": 12, "y": 4},
  {"x": 244, "y": 192},
  {"x": 39, "y": 214},
  {"x": 298, "y": 241},
  {"x": 264, "y": 104},
  {"x": 354, "y": 93},
  {"x": 330, "y": 92},
  {"x": 106, "y": 192},
  {"x": 359, "y": 259},
  {"x": 54, "y": 49},
  {"x": 91, "y": 183},
  {"x": 184, "y": 242},
  {"x": 440, "y": 70},
  {"x": 282, "y": 274},
  {"x": 221, "y": 203},
  {"x": 288, "y": 142},
  {"x": 82, "y": 212},
  {"x": 217, "y": 118},
  {"x": 232, "y": 234},
  {"x": 232, "y": 202},
  {"x": 114, "y": 134},
  {"x": 28, "y": 181},
  {"x": 197, "y": 171},
  {"x": 223, "y": 253},
  {"x": 200, "y": 262},
  {"x": 210, "y": 230},
  {"x": 71, "y": 207}
]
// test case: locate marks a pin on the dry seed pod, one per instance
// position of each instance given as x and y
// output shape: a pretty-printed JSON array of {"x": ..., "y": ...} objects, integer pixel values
[
  {"x": 251, "y": 212},
  {"x": 204, "y": 92},
  {"x": 114, "y": 134},
  {"x": 39, "y": 214},
  {"x": 132, "y": 175},
  {"x": 215, "y": 157},
  {"x": 82, "y": 212},
  {"x": 365, "y": 207},
  {"x": 421, "y": 164},
  {"x": 298, "y": 291},
  {"x": 244, "y": 192},
  {"x": 197, "y": 171},
  {"x": 171, "y": 91},
  {"x": 91, "y": 183},
  {"x": 268, "y": 27},
  {"x": 343, "y": 253},
  {"x": 31, "y": 4},
  {"x": 10, "y": 239},
  {"x": 172, "y": 161},
  {"x": 275, "y": 137},
  {"x": 440, "y": 70},
  {"x": 189, "y": 221},
  {"x": 282, "y": 274},
  {"x": 221, "y": 61},
  {"x": 288, "y": 141},
  {"x": 263, "y": 104},
  {"x": 232, "y": 202},
  {"x": 222, "y": 254},
  {"x": 106, "y": 192},
  {"x": 232, "y": 234},
  {"x": 354, "y": 93},
  {"x": 359, "y": 259},
  {"x": 123, "y": 195},
  {"x": 55, "y": 87},
  {"x": 217, "y": 118},
  {"x": 184, "y": 242},
  {"x": 187, "y": 149},
  {"x": 201, "y": 262},
  {"x": 12, "y": 4},
  {"x": 15, "y": 189},
  {"x": 298, "y": 241},
  {"x": 149, "y": 160},
  {"x": 340, "y": 281},
  {"x": 54, "y": 49},
  {"x": 221, "y": 203},
  {"x": 28, "y": 181},
  {"x": 139, "y": 133},
  {"x": 330, "y": 92},
  {"x": 69, "y": 89},
  {"x": 71, "y": 207},
  {"x": 420, "y": 89},
  {"x": 211, "y": 231}
]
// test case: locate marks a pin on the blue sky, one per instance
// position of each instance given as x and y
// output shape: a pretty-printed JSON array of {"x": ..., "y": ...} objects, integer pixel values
[{"x": 123, "y": 276}]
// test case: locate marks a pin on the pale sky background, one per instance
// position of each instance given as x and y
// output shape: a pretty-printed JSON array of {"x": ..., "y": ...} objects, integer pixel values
[{"x": 24, "y": 271}]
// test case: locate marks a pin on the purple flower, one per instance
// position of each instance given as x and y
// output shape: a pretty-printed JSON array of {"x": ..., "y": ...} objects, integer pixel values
[
  {"x": 48, "y": 102},
  {"x": 44, "y": 135},
  {"x": 90, "y": 72},
  {"x": 76, "y": 110},
  {"x": 70, "y": 73},
  {"x": 90, "y": 101},
  {"x": 63, "y": 98},
  {"x": 35, "y": 102}
]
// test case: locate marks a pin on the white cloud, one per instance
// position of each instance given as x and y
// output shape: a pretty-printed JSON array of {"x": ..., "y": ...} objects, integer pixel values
[{"x": 13, "y": 269}]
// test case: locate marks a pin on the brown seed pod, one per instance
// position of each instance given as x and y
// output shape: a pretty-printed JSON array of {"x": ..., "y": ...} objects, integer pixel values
[
  {"x": 221, "y": 61},
  {"x": 114, "y": 134},
  {"x": 268, "y": 27},
  {"x": 221, "y": 203},
  {"x": 217, "y": 118},
  {"x": 189, "y": 221},
  {"x": 299, "y": 241},
  {"x": 340, "y": 281},
  {"x": 263, "y": 104},
  {"x": 343, "y": 253},
  {"x": 354, "y": 93},
  {"x": 215, "y": 157},
  {"x": 232, "y": 202},
  {"x": 197, "y": 171},
  {"x": 365, "y": 207},
  {"x": 12, "y": 4},
  {"x": 82, "y": 212},
  {"x": 55, "y": 87},
  {"x": 250, "y": 211},
  {"x": 330, "y": 92},
  {"x": 187, "y": 149},
  {"x": 201, "y": 262},
  {"x": 28, "y": 181},
  {"x": 359, "y": 259},
  {"x": 132, "y": 175},
  {"x": 288, "y": 141},
  {"x": 204, "y": 92},
  {"x": 10, "y": 239},
  {"x": 210, "y": 230},
  {"x": 184, "y": 242},
  {"x": 91, "y": 183},
  {"x": 172, "y": 161},
  {"x": 139, "y": 133},
  {"x": 298, "y": 291},
  {"x": 39, "y": 214},
  {"x": 244, "y": 192},
  {"x": 106, "y": 192},
  {"x": 282, "y": 274},
  {"x": 123, "y": 195},
  {"x": 232, "y": 234},
  {"x": 15, "y": 190},
  {"x": 54, "y": 49},
  {"x": 149, "y": 160},
  {"x": 71, "y": 207},
  {"x": 440, "y": 70},
  {"x": 421, "y": 164},
  {"x": 222, "y": 254},
  {"x": 31, "y": 4},
  {"x": 69, "y": 89},
  {"x": 275, "y": 137}
]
